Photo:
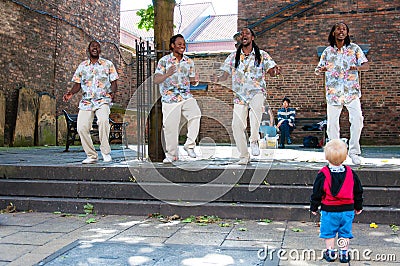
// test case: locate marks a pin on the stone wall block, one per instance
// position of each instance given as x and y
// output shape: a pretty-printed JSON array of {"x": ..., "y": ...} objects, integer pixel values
[
  {"x": 61, "y": 130},
  {"x": 46, "y": 123},
  {"x": 24, "y": 134},
  {"x": 2, "y": 116}
]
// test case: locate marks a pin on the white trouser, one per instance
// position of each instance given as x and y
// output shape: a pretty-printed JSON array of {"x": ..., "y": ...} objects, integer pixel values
[
  {"x": 84, "y": 124},
  {"x": 239, "y": 123},
  {"x": 171, "y": 119},
  {"x": 356, "y": 123}
]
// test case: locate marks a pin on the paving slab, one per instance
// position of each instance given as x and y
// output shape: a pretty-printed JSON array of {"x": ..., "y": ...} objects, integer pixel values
[
  {"x": 10, "y": 252},
  {"x": 149, "y": 228},
  {"x": 257, "y": 244},
  {"x": 221, "y": 227},
  {"x": 57, "y": 225},
  {"x": 29, "y": 238},
  {"x": 146, "y": 255},
  {"x": 8, "y": 230},
  {"x": 133, "y": 239},
  {"x": 260, "y": 231},
  {"x": 24, "y": 218},
  {"x": 197, "y": 238}
]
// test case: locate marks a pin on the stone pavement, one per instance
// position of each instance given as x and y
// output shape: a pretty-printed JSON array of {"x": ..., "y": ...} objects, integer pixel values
[
  {"x": 212, "y": 155},
  {"x": 34, "y": 238},
  {"x": 60, "y": 239}
]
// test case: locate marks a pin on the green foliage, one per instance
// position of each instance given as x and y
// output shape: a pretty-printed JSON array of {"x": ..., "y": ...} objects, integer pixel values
[
  {"x": 224, "y": 224},
  {"x": 156, "y": 215},
  {"x": 91, "y": 220},
  {"x": 88, "y": 208},
  {"x": 146, "y": 18},
  {"x": 202, "y": 220},
  {"x": 190, "y": 219},
  {"x": 394, "y": 228},
  {"x": 267, "y": 221}
]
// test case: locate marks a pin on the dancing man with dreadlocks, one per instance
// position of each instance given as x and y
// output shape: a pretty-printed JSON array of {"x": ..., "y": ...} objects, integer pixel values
[{"x": 248, "y": 66}]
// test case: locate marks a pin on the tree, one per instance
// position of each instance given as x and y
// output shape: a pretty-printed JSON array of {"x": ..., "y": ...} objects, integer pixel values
[
  {"x": 163, "y": 30},
  {"x": 160, "y": 17}
]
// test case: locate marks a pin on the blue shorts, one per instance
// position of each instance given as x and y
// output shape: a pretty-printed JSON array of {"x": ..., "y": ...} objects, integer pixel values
[{"x": 333, "y": 223}]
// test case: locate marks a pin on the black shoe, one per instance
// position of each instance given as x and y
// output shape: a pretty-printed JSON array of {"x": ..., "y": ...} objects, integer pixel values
[
  {"x": 330, "y": 255},
  {"x": 344, "y": 256},
  {"x": 281, "y": 146}
]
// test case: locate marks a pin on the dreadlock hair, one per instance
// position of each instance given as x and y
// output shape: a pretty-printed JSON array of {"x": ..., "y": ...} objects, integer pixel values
[
  {"x": 256, "y": 50},
  {"x": 331, "y": 38},
  {"x": 173, "y": 39}
]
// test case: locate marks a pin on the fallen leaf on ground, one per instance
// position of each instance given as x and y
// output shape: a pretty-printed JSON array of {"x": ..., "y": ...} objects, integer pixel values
[{"x": 373, "y": 225}]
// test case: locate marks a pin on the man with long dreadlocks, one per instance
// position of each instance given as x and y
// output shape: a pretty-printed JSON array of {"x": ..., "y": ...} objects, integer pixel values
[
  {"x": 248, "y": 66},
  {"x": 341, "y": 61}
]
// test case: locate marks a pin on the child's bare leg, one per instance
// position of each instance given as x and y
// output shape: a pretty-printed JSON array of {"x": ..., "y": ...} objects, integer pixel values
[
  {"x": 330, "y": 243},
  {"x": 330, "y": 253}
]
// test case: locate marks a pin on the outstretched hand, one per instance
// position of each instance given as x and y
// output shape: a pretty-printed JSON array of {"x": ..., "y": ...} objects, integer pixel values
[
  {"x": 320, "y": 70},
  {"x": 214, "y": 78},
  {"x": 67, "y": 96},
  {"x": 275, "y": 71}
]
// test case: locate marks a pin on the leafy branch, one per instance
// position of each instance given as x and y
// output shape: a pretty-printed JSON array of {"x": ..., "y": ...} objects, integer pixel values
[{"x": 146, "y": 18}]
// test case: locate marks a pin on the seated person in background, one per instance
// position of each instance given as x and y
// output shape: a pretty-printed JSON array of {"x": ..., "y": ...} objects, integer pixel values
[
  {"x": 286, "y": 116},
  {"x": 267, "y": 126}
]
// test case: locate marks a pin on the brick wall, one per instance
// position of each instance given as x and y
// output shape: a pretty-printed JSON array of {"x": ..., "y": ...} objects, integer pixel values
[
  {"x": 293, "y": 44},
  {"x": 42, "y": 43},
  {"x": 41, "y": 51}
]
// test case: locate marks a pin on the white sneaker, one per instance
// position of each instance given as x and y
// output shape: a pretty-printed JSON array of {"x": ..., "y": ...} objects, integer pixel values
[
  {"x": 169, "y": 160},
  {"x": 190, "y": 152},
  {"x": 255, "y": 150},
  {"x": 89, "y": 160},
  {"x": 244, "y": 161},
  {"x": 106, "y": 157},
  {"x": 355, "y": 159}
]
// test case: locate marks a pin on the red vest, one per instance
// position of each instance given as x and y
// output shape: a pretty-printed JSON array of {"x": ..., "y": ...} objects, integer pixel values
[{"x": 345, "y": 195}]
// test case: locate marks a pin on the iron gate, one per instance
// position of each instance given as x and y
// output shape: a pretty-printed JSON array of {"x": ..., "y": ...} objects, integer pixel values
[{"x": 147, "y": 104}]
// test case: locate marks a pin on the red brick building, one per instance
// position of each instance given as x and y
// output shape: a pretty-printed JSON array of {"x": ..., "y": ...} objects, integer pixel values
[
  {"x": 42, "y": 43},
  {"x": 292, "y": 38},
  {"x": 291, "y": 31}
]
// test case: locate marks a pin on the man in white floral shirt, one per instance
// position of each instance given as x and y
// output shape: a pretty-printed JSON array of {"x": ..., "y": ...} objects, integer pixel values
[
  {"x": 248, "y": 66},
  {"x": 175, "y": 72},
  {"x": 97, "y": 77},
  {"x": 341, "y": 62}
]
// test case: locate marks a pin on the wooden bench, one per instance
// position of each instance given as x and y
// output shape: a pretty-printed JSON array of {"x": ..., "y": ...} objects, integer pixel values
[
  {"x": 117, "y": 130},
  {"x": 303, "y": 123}
]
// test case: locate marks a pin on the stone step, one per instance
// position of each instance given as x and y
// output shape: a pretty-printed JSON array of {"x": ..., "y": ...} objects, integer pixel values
[
  {"x": 383, "y": 215},
  {"x": 376, "y": 177},
  {"x": 185, "y": 192},
  {"x": 253, "y": 192}
]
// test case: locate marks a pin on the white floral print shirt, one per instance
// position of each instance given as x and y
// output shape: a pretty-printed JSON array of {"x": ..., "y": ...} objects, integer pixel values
[
  {"x": 95, "y": 80},
  {"x": 176, "y": 87},
  {"x": 247, "y": 79},
  {"x": 342, "y": 84}
]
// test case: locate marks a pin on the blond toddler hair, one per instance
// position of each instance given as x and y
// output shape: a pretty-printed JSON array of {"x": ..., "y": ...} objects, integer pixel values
[{"x": 335, "y": 152}]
